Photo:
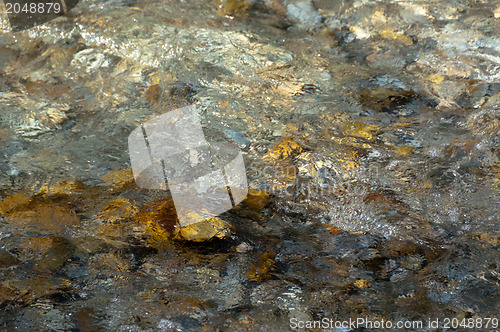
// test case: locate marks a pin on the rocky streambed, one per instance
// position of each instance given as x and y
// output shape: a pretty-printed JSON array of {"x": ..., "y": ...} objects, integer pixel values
[{"x": 370, "y": 133}]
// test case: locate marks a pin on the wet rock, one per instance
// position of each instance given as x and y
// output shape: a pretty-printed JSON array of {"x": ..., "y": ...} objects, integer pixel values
[
  {"x": 63, "y": 188},
  {"x": 486, "y": 123},
  {"x": 29, "y": 290},
  {"x": 486, "y": 238},
  {"x": 385, "y": 99},
  {"x": 413, "y": 262},
  {"x": 118, "y": 210},
  {"x": 7, "y": 259},
  {"x": 284, "y": 148},
  {"x": 37, "y": 214},
  {"x": 119, "y": 179},
  {"x": 160, "y": 219},
  {"x": 39, "y": 122},
  {"x": 492, "y": 101},
  {"x": 397, "y": 36},
  {"x": 12, "y": 202},
  {"x": 32, "y": 118},
  {"x": 110, "y": 262},
  {"x": 362, "y": 283},
  {"x": 243, "y": 248},
  {"x": 267, "y": 292},
  {"x": 257, "y": 199},
  {"x": 261, "y": 270},
  {"x": 86, "y": 320},
  {"x": 213, "y": 228},
  {"x": 360, "y": 130},
  {"x": 188, "y": 305},
  {"x": 234, "y": 8},
  {"x": 303, "y": 14},
  {"x": 50, "y": 253},
  {"x": 7, "y": 294},
  {"x": 90, "y": 60}
]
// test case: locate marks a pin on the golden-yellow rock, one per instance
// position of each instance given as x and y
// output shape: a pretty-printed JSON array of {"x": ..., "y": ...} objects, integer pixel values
[
  {"x": 284, "y": 148},
  {"x": 159, "y": 219},
  {"x": 292, "y": 127},
  {"x": 427, "y": 185},
  {"x": 435, "y": 78},
  {"x": 224, "y": 104},
  {"x": 396, "y": 36},
  {"x": 352, "y": 141},
  {"x": 349, "y": 159},
  {"x": 161, "y": 223},
  {"x": 234, "y": 7},
  {"x": 11, "y": 202},
  {"x": 334, "y": 230},
  {"x": 119, "y": 178},
  {"x": 261, "y": 270},
  {"x": 404, "y": 150},
  {"x": 487, "y": 237},
  {"x": 362, "y": 283},
  {"x": 65, "y": 187},
  {"x": 257, "y": 199},
  {"x": 212, "y": 228},
  {"x": 361, "y": 130},
  {"x": 403, "y": 124},
  {"x": 117, "y": 210}
]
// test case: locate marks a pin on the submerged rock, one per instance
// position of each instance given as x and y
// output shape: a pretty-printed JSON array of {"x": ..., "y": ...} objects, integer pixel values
[
  {"x": 160, "y": 219},
  {"x": 234, "y": 8},
  {"x": 7, "y": 259},
  {"x": 284, "y": 148},
  {"x": 213, "y": 228}
]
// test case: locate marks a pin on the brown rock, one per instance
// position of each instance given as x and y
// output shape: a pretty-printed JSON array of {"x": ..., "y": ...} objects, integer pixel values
[
  {"x": 257, "y": 199},
  {"x": 7, "y": 259},
  {"x": 234, "y": 8},
  {"x": 261, "y": 270}
]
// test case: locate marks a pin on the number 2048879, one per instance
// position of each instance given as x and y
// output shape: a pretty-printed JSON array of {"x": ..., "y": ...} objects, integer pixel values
[{"x": 33, "y": 8}]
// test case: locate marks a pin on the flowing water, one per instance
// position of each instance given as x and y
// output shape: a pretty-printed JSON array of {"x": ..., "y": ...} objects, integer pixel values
[{"x": 370, "y": 135}]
